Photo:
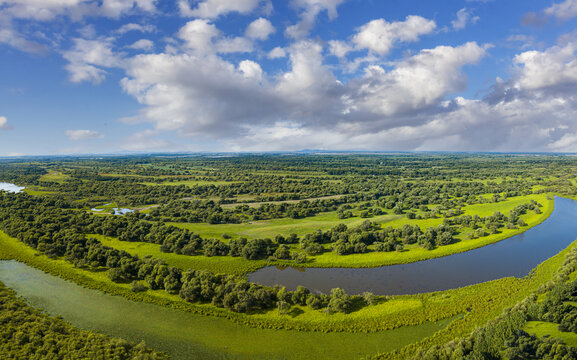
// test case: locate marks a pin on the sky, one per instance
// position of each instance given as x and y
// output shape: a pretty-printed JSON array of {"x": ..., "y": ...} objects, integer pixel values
[{"x": 115, "y": 76}]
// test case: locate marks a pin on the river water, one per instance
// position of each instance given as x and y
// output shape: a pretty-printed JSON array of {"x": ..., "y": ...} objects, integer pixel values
[{"x": 515, "y": 256}]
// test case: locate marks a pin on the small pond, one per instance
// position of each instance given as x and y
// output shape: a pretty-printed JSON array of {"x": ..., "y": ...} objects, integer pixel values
[
  {"x": 515, "y": 256},
  {"x": 117, "y": 210},
  {"x": 10, "y": 187}
]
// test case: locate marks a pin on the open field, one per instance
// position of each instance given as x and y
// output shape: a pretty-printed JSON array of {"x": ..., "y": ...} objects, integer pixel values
[
  {"x": 542, "y": 328},
  {"x": 257, "y": 204},
  {"x": 55, "y": 176}
]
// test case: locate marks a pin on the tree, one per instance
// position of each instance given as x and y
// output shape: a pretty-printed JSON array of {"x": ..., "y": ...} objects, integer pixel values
[
  {"x": 283, "y": 307},
  {"x": 339, "y": 302}
]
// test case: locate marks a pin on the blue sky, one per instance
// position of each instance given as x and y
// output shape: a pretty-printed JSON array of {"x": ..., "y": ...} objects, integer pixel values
[{"x": 85, "y": 76}]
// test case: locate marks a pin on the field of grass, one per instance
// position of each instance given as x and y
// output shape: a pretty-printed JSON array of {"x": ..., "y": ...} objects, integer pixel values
[
  {"x": 54, "y": 176},
  {"x": 190, "y": 183},
  {"x": 37, "y": 191},
  {"x": 257, "y": 204},
  {"x": 543, "y": 328},
  {"x": 285, "y": 226}
]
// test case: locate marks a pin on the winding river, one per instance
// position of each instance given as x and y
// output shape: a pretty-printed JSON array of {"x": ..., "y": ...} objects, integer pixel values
[
  {"x": 187, "y": 336},
  {"x": 515, "y": 256}
]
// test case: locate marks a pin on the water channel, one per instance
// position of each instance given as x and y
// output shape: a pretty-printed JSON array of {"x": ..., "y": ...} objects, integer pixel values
[{"x": 515, "y": 256}]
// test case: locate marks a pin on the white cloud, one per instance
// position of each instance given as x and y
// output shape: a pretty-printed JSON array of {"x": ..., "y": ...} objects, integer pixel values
[
  {"x": 339, "y": 48},
  {"x": 142, "y": 44},
  {"x": 210, "y": 9},
  {"x": 555, "y": 66},
  {"x": 77, "y": 135},
  {"x": 250, "y": 70},
  {"x": 260, "y": 29},
  {"x": 136, "y": 27},
  {"x": 379, "y": 36},
  {"x": 277, "y": 53},
  {"x": 12, "y": 38},
  {"x": 88, "y": 58},
  {"x": 198, "y": 35},
  {"x": 415, "y": 83},
  {"x": 464, "y": 17},
  {"x": 309, "y": 10},
  {"x": 564, "y": 11},
  {"x": 44, "y": 10},
  {"x": 4, "y": 123},
  {"x": 233, "y": 45}
]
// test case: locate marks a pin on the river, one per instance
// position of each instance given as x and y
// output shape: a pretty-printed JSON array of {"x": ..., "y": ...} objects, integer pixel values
[{"x": 515, "y": 256}]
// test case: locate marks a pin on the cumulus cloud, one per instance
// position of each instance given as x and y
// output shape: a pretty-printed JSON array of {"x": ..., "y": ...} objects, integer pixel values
[
  {"x": 554, "y": 67},
  {"x": 276, "y": 53},
  {"x": 260, "y": 29},
  {"x": 136, "y": 27},
  {"x": 464, "y": 17},
  {"x": 379, "y": 36},
  {"x": 202, "y": 37},
  {"x": 142, "y": 44},
  {"x": 563, "y": 11},
  {"x": 88, "y": 58},
  {"x": 76, "y": 9},
  {"x": 309, "y": 10},
  {"x": 77, "y": 135},
  {"x": 339, "y": 48},
  {"x": 210, "y": 9},
  {"x": 199, "y": 93}
]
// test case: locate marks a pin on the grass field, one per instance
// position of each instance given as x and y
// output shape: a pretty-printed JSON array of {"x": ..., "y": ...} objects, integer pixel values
[
  {"x": 257, "y": 204},
  {"x": 54, "y": 176},
  {"x": 37, "y": 191},
  {"x": 285, "y": 226},
  {"x": 191, "y": 183},
  {"x": 543, "y": 328}
]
